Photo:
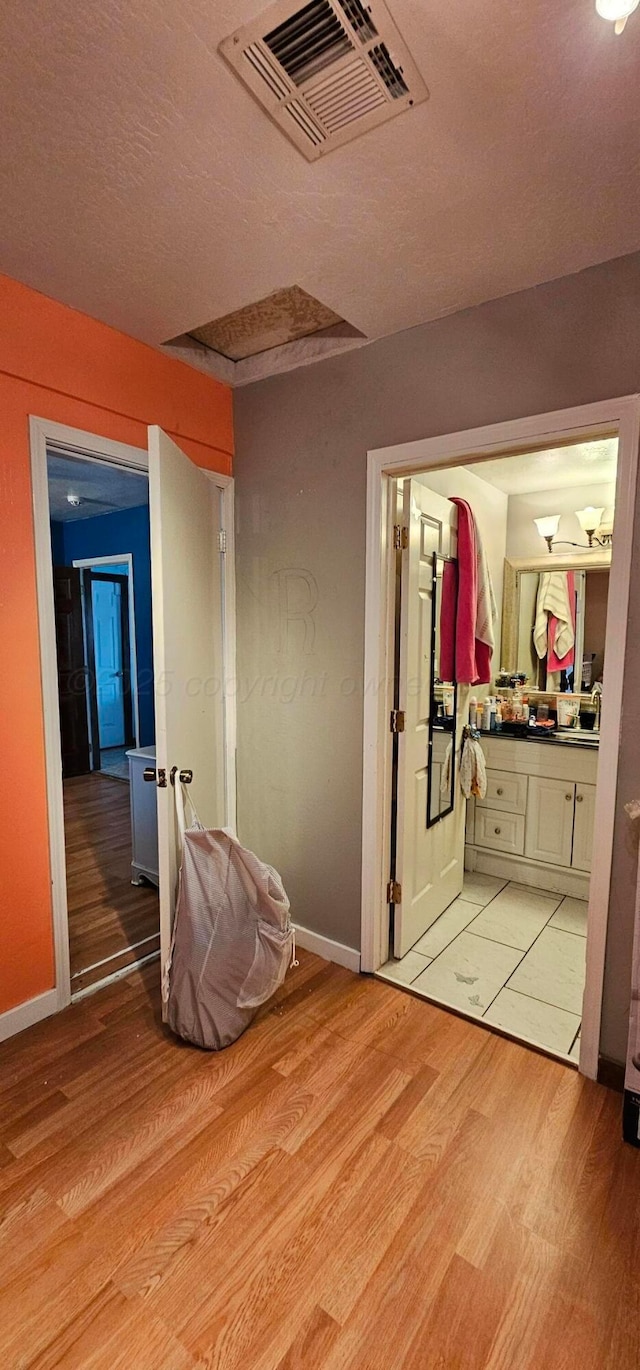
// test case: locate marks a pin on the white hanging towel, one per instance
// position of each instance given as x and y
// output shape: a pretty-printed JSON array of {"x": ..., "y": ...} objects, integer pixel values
[
  {"x": 473, "y": 771},
  {"x": 553, "y": 598}
]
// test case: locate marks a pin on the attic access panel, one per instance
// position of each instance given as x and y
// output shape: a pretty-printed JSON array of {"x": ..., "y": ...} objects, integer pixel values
[
  {"x": 282, "y": 317},
  {"x": 327, "y": 71}
]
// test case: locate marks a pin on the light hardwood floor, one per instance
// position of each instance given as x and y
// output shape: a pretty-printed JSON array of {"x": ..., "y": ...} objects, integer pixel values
[
  {"x": 362, "y": 1182},
  {"x": 108, "y": 916}
]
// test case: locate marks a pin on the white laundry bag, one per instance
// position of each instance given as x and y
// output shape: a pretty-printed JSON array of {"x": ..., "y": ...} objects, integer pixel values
[{"x": 232, "y": 936}]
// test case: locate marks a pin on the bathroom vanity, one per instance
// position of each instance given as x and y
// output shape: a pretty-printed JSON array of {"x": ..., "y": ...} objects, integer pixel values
[{"x": 535, "y": 824}]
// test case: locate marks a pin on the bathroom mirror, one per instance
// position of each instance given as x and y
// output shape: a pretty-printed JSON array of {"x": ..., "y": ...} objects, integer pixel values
[
  {"x": 441, "y": 746},
  {"x": 587, "y": 581}
]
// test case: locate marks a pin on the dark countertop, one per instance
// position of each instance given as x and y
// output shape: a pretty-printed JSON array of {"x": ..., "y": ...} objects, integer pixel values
[{"x": 557, "y": 739}]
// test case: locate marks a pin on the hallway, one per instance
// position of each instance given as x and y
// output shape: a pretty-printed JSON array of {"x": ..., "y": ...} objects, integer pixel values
[
  {"x": 363, "y": 1181},
  {"x": 111, "y": 922}
]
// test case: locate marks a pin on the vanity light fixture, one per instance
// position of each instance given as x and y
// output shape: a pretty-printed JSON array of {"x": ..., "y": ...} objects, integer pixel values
[
  {"x": 589, "y": 519},
  {"x": 617, "y": 11}
]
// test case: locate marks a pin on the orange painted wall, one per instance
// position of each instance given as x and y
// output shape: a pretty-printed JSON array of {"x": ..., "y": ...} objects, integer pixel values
[{"x": 61, "y": 365}]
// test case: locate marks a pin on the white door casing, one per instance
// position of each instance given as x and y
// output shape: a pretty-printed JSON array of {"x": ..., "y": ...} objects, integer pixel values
[
  {"x": 429, "y": 861},
  {"x": 187, "y": 586}
]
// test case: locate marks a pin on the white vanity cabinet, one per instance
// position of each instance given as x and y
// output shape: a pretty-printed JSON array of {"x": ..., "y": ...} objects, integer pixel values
[
  {"x": 550, "y": 810},
  {"x": 535, "y": 824},
  {"x": 583, "y": 827},
  {"x": 144, "y": 817}
]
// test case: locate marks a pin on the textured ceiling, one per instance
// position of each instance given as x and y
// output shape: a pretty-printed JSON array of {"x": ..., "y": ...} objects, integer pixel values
[
  {"x": 142, "y": 183},
  {"x": 561, "y": 468},
  {"x": 102, "y": 488}
]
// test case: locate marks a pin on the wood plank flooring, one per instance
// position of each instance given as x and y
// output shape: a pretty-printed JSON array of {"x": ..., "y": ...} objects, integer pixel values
[
  {"x": 107, "y": 914},
  {"x": 362, "y": 1182}
]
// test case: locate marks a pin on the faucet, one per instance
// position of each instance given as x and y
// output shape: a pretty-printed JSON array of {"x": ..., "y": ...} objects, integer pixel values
[{"x": 596, "y": 698}]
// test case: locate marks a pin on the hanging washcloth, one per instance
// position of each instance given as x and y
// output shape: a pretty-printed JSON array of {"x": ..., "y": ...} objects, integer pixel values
[
  {"x": 554, "y": 603},
  {"x": 473, "y": 771}
]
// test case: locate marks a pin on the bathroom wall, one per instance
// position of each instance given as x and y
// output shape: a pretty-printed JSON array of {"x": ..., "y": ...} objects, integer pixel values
[
  {"x": 523, "y": 538},
  {"x": 301, "y": 443},
  {"x": 126, "y": 530}
]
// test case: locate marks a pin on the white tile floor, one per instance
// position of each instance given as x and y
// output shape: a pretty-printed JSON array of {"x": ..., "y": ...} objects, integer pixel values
[{"x": 507, "y": 954}]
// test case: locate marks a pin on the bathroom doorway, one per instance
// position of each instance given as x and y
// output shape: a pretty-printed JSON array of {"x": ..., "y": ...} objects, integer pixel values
[{"x": 524, "y": 878}]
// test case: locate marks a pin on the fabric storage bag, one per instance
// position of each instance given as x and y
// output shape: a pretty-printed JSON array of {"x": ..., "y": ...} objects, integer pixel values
[{"x": 232, "y": 936}]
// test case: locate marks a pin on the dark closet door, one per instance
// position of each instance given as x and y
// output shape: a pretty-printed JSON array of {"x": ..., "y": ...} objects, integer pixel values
[{"x": 71, "y": 671}]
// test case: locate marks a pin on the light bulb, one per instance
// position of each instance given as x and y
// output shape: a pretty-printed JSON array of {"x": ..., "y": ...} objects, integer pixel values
[
  {"x": 617, "y": 11},
  {"x": 548, "y": 527},
  {"x": 589, "y": 519}
]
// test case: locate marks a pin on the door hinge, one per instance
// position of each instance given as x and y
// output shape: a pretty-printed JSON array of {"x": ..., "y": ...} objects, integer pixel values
[
  {"x": 222, "y": 539},
  {"x": 396, "y": 723},
  {"x": 400, "y": 537},
  {"x": 394, "y": 892}
]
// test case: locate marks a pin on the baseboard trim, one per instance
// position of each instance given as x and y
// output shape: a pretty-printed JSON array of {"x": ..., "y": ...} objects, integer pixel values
[
  {"x": 25, "y": 1015},
  {"x": 554, "y": 880},
  {"x": 611, "y": 1074},
  {"x": 326, "y": 947}
]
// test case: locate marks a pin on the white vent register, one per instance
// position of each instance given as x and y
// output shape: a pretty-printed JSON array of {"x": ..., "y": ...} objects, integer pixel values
[{"x": 327, "y": 71}]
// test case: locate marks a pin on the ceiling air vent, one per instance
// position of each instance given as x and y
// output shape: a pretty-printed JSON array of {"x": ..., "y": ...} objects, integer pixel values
[{"x": 327, "y": 71}]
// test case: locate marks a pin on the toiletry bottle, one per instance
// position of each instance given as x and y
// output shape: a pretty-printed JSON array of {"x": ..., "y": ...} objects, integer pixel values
[
  {"x": 493, "y": 716},
  {"x": 486, "y": 715}
]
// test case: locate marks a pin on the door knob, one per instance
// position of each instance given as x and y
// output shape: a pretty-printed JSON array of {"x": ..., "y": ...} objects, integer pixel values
[
  {"x": 149, "y": 773},
  {"x": 186, "y": 776},
  {"x": 579, "y": 798},
  {"x": 568, "y": 798},
  {"x": 500, "y": 790}
]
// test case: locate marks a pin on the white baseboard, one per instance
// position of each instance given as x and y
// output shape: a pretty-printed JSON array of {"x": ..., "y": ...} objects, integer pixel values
[
  {"x": 554, "y": 879},
  {"x": 25, "y": 1015},
  {"x": 326, "y": 947}
]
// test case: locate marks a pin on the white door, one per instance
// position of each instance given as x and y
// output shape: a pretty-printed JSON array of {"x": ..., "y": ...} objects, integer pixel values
[
  {"x": 429, "y": 861},
  {"x": 583, "y": 827},
  {"x": 187, "y": 582},
  {"x": 549, "y": 827},
  {"x": 109, "y": 661}
]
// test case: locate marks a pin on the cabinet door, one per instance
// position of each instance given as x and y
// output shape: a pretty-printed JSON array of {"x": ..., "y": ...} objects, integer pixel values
[
  {"x": 549, "y": 827},
  {"x": 583, "y": 827}
]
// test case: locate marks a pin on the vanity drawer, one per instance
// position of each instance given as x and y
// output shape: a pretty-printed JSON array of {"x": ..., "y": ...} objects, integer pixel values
[
  {"x": 500, "y": 831},
  {"x": 506, "y": 791}
]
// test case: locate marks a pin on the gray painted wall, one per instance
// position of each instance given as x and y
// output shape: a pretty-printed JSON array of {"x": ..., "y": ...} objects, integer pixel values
[{"x": 300, "y": 468}]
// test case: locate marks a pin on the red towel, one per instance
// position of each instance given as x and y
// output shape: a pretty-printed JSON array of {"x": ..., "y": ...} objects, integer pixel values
[
  {"x": 555, "y": 663},
  {"x": 463, "y": 657}
]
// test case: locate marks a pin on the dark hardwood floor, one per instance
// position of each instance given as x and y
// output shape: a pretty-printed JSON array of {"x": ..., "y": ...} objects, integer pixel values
[
  {"x": 108, "y": 916},
  {"x": 362, "y": 1182}
]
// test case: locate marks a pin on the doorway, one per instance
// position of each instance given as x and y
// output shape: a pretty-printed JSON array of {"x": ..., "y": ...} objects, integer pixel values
[
  {"x": 380, "y": 913},
  {"x": 185, "y": 685},
  {"x": 104, "y": 669}
]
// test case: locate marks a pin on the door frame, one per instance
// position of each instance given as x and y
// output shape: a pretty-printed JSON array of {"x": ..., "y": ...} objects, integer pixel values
[
  {"x": 85, "y": 564},
  {"x": 45, "y": 434},
  {"x": 607, "y": 418}
]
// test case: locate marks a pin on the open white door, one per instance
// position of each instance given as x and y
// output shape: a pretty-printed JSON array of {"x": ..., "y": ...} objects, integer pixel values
[
  {"x": 187, "y": 585},
  {"x": 429, "y": 860}
]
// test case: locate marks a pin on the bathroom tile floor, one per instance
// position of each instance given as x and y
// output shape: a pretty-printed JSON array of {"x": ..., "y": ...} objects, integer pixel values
[{"x": 509, "y": 955}]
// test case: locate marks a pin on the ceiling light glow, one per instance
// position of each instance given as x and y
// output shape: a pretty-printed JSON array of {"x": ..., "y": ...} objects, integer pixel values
[{"x": 617, "y": 11}]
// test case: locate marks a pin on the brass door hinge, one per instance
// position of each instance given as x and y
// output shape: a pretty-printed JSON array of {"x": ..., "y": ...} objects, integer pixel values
[
  {"x": 394, "y": 892},
  {"x": 400, "y": 537},
  {"x": 396, "y": 724}
]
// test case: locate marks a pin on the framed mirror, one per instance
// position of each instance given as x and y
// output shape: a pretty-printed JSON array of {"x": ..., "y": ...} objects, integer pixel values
[
  {"x": 443, "y": 711},
  {"x": 588, "y": 577}
]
